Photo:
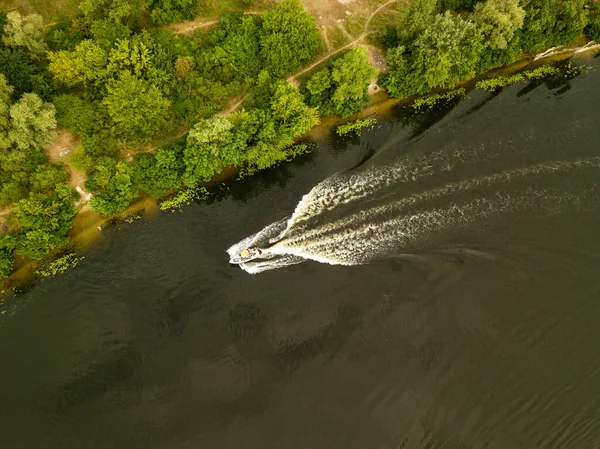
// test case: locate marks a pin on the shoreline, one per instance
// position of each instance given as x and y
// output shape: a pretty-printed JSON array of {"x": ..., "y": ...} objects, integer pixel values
[{"x": 86, "y": 229}]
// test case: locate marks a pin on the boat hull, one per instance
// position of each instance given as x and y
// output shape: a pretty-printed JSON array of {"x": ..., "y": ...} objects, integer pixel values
[{"x": 253, "y": 253}]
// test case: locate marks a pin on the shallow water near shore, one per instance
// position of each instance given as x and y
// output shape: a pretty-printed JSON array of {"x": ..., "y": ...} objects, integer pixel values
[{"x": 464, "y": 312}]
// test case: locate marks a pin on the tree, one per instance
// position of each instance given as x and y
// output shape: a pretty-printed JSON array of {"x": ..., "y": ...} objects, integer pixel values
[
  {"x": 447, "y": 51},
  {"x": 3, "y": 20},
  {"x": 571, "y": 20},
  {"x": 77, "y": 114},
  {"x": 343, "y": 88},
  {"x": 121, "y": 11},
  {"x": 5, "y": 93},
  {"x": 33, "y": 124},
  {"x": 155, "y": 174},
  {"x": 416, "y": 18},
  {"x": 351, "y": 75},
  {"x": 592, "y": 29},
  {"x": 136, "y": 108},
  {"x": 231, "y": 50},
  {"x": 498, "y": 21},
  {"x": 289, "y": 37},
  {"x": 25, "y": 32},
  {"x": 44, "y": 221},
  {"x": 107, "y": 33},
  {"x": 552, "y": 22},
  {"x": 210, "y": 145},
  {"x": 86, "y": 63},
  {"x": 166, "y": 11},
  {"x": 20, "y": 69},
  {"x": 132, "y": 56},
  {"x": 119, "y": 192},
  {"x": 183, "y": 66},
  {"x": 6, "y": 259}
]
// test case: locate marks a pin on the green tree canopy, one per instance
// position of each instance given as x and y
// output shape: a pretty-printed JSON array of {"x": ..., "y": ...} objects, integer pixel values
[
  {"x": 121, "y": 11},
  {"x": 447, "y": 51},
  {"x": 44, "y": 221},
  {"x": 33, "y": 124},
  {"x": 120, "y": 191},
  {"x": 24, "y": 31},
  {"x": 157, "y": 173},
  {"x": 415, "y": 18},
  {"x": 86, "y": 63},
  {"x": 6, "y": 259},
  {"x": 166, "y": 11},
  {"x": 136, "y": 108},
  {"x": 342, "y": 89},
  {"x": 289, "y": 37},
  {"x": 552, "y": 22},
  {"x": 211, "y": 144},
  {"x": 498, "y": 21}
]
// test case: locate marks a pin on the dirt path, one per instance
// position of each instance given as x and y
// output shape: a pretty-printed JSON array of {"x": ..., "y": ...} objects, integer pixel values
[
  {"x": 189, "y": 26},
  {"x": 236, "y": 103},
  {"x": 64, "y": 145},
  {"x": 345, "y": 31},
  {"x": 325, "y": 37},
  {"x": 359, "y": 39}
]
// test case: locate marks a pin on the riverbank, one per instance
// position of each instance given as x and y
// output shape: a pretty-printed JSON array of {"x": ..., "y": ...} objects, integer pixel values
[{"x": 89, "y": 228}]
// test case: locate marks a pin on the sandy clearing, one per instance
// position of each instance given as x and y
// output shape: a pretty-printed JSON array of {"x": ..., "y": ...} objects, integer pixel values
[{"x": 63, "y": 146}]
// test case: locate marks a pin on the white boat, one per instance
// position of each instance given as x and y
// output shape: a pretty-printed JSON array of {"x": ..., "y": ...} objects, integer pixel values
[{"x": 246, "y": 255}]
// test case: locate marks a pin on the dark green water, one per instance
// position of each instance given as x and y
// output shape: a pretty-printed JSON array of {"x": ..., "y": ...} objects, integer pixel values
[{"x": 476, "y": 327}]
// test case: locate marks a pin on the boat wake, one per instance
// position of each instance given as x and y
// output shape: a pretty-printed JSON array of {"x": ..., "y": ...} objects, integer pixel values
[{"x": 420, "y": 203}]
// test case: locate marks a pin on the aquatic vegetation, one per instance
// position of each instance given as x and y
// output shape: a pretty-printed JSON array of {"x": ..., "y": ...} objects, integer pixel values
[
  {"x": 60, "y": 265},
  {"x": 493, "y": 84},
  {"x": 541, "y": 72},
  {"x": 431, "y": 101},
  {"x": 184, "y": 198},
  {"x": 573, "y": 69},
  {"x": 356, "y": 126}
]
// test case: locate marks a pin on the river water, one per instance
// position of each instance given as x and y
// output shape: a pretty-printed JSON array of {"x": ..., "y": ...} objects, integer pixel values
[{"x": 437, "y": 287}]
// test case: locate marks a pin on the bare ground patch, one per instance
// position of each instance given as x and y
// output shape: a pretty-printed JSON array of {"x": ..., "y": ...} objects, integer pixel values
[{"x": 63, "y": 146}]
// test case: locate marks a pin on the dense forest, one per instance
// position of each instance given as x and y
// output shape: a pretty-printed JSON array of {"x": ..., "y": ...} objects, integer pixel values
[
  {"x": 439, "y": 43},
  {"x": 125, "y": 86}
]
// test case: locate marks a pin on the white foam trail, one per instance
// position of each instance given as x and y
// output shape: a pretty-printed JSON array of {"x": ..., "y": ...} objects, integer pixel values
[
  {"x": 379, "y": 228},
  {"x": 449, "y": 189}
]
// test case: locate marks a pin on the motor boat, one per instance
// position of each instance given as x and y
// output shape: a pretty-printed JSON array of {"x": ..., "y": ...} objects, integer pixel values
[
  {"x": 246, "y": 255},
  {"x": 276, "y": 238}
]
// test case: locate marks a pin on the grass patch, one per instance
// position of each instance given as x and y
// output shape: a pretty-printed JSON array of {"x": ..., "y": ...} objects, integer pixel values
[
  {"x": 390, "y": 15},
  {"x": 355, "y": 25},
  {"x": 431, "y": 101},
  {"x": 337, "y": 37},
  {"x": 356, "y": 127},
  {"x": 50, "y": 10},
  {"x": 218, "y": 8}
]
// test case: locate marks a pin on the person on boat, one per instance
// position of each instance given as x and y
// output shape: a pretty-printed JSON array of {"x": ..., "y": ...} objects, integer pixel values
[{"x": 244, "y": 253}]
